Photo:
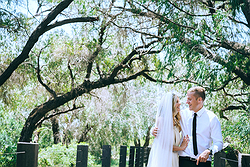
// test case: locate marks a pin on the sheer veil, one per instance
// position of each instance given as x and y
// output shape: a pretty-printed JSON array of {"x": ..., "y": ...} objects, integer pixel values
[{"x": 162, "y": 148}]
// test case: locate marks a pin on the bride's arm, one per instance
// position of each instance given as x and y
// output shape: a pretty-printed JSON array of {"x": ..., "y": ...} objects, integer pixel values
[
  {"x": 155, "y": 130},
  {"x": 178, "y": 148},
  {"x": 183, "y": 144}
]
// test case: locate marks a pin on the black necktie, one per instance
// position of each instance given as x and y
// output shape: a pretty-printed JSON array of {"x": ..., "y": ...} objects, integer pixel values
[{"x": 194, "y": 135}]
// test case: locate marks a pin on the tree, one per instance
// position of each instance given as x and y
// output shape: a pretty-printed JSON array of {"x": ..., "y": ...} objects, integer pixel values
[
  {"x": 162, "y": 41},
  {"x": 9, "y": 20},
  {"x": 99, "y": 70},
  {"x": 201, "y": 35},
  {"x": 43, "y": 27}
]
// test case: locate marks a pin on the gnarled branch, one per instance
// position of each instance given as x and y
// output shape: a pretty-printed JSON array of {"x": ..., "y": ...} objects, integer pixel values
[{"x": 211, "y": 56}]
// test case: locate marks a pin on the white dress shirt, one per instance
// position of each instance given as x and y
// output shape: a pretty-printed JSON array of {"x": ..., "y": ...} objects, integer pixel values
[{"x": 208, "y": 132}]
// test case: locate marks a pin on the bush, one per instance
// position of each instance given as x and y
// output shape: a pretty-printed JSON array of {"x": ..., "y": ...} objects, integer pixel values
[
  {"x": 10, "y": 129},
  {"x": 60, "y": 155},
  {"x": 236, "y": 131}
]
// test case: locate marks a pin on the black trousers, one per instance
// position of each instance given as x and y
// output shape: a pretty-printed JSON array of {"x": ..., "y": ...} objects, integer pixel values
[{"x": 186, "y": 162}]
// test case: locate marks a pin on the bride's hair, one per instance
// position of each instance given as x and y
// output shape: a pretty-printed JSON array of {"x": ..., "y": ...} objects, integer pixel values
[{"x": 176, "y": 115}]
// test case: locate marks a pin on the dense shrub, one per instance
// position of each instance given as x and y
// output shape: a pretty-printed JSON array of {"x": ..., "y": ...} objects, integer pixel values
[
  {"x": 60, "y": 155},
  {"x": 10, "y": 129}
]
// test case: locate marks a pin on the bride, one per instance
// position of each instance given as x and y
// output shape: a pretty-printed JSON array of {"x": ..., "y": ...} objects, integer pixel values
[{"x": 164, "y": 151}]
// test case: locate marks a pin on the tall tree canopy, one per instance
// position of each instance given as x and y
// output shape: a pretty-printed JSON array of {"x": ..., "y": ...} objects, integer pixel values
[
  {"x": 209, "y": 38},
  {"x": 194, "y": 42}
]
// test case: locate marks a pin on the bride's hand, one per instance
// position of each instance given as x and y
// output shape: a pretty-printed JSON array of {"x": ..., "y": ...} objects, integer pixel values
[
  {"x": 184, "y": 143},
  {"x": 154, "y": 132}
]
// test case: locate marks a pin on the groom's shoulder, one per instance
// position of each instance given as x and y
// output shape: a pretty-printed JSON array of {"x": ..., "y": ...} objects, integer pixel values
[{"x": 211, "y": 114}]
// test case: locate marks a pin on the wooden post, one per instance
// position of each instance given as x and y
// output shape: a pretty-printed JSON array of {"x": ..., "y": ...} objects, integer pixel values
[
  {"x": 147, "y": 155},
  {"x": 131, "y": 156},
  {"x": 27, "y": 154},
  {"x": 82, "y": 156},
  {"x": 219, "y": 159},
  {"x": 106, "y": 155},
  {"x": 141, "y": 156},
  {"x": 137, "y": 157},
  {"x": 123, "y": 154},
  {"x": 243, "y": 160}
]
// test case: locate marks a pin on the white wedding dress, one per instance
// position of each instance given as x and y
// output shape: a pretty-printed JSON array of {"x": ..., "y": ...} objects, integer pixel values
[
  {"x": 177, "y": 140},
  {"x": 161, "y": 154}
]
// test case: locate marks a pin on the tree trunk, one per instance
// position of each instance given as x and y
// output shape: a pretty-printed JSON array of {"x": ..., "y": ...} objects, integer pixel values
[
  {"x": 246, "y": 10},
  {"x": 66, "y": 139},
  {"x": 84, "y": 136},
  {"x": 36, "y": 135},
  {"x": 55, "y": 129},
  {"x": 39, "y": 112},
  {"x": 146, "y": 144},
  {"x": 137, "y": 142}
]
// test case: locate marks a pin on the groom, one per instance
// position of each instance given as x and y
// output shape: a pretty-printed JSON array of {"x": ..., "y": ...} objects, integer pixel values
[{"x": 204, "y": 130}]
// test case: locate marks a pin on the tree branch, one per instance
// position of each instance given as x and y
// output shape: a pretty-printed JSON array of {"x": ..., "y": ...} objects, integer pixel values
[
  {"x": 74, "y": 20},
  {"x": 139, "y": 32},
  {"x": 71, "y": 75},
  {"x": 118, "y": 67},
  {"x": 104, "y": 26},
  {"x": 246, "y": 10},
  {"x": 237, "y": 21},
  {"x": 72, "y": 82},
  {"x": 32, "y": 40},
  {"x": 210, "y": 6},
  {"x": 209, "y": 55},
  {"x": 167, "y": 20},
  {"x": 233, "y": 96},
  {"x": 144, "y": 74},
  {"x": 52, "y": 92},
  {"x": 226, "y": 83},
  {"x": 91, "y": 60},
  {"x": 136, "y": 11},
  {"x": 222, "y": 115},
  {"x": 238, "y": 47},
  {"x": 99, "y": 70},
  {"x": 187, "y": 13},
  {"x": 16, "y": 18},
  {"x": 234, "y": 108},
  {"x": 168, "y": 82},
  {"x": 55, "y": 114}
]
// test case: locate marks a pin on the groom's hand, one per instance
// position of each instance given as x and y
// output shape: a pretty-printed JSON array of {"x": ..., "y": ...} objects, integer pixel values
[{"x": 203, "y": 157}]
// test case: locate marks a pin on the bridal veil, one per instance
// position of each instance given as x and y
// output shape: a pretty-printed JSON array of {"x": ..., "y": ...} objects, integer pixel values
[{"x": 162, "y": 147}]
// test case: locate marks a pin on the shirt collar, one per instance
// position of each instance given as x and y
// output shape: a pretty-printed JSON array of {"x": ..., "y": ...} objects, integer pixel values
[{"x": 200, "y": 112}]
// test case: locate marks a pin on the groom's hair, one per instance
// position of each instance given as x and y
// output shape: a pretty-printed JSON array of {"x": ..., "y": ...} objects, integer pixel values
[{"x": 198, "y": 92}]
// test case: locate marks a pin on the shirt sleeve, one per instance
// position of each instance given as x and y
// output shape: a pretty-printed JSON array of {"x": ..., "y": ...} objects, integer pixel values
[
  {"x": 184, "y": 117},
  {"x": 216, "y": 135}
]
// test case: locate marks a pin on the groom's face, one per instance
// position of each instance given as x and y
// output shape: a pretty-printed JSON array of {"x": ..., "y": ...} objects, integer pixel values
[{"x": 193, "y": 102}]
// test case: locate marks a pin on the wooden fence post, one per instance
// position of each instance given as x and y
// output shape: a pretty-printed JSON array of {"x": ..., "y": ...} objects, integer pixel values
[
  {"x": 29, "y": 157},
  {"x": 141, "y": 156},
  {"x": 137, "y": 157},
  {"x": 106, "y": 155},
  {"x": 123, "y": 154},
  {"x": 243, "y": 160},
  {"x": 82, "y": 156},
  {"x": 147, "y": 155},
  {"x": 219, "y": 159},
  {"x": 131, "y": 156}
]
